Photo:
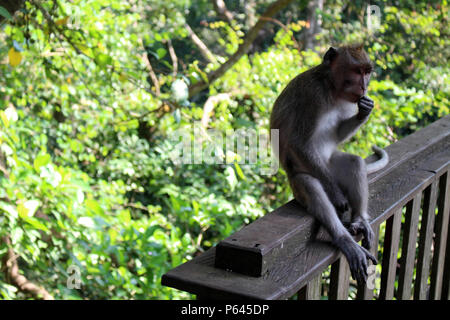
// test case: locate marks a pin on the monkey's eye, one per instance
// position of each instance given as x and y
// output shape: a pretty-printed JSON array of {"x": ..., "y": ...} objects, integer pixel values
[{"x": 347, "y": 83}]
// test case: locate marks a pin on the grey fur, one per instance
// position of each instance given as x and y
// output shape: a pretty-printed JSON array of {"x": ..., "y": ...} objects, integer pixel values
[
  {"x": 313, "y": 120},
  {"x": 380, "y": 163}
]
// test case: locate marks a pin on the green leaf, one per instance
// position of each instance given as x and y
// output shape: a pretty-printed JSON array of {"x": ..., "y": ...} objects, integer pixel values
[
  {"x": 158, "y": 37},
  {"x": 195, "y": 206},
  {"x": 27, "y": 208},
  {"x": 86, "y": 222},
  {"x": 124, "y": 216},
  {"x": 4, "y": 118},
  {"x": 36, "y": 223},
  {"x": 5, "y": 13},
  {"x": 159, "y": 235},
  {"x": 6, "y": 207},
  {"x": 161, "y": 52},
  {"x": 239, "y": 171},
  {"x": 11, "y": 114},
  {"x": 202, "y": 74},
  {"x": 94, "y": 206},
  {"x": 231, "y": 177},
  {"x": 76, "y": 146},
  {"x": 41, "y": 160},
  {"x": 103, "y": 60}
]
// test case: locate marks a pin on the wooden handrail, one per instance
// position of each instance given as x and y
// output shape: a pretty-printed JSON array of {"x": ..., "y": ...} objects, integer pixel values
[{"x": 286, "y": 251}]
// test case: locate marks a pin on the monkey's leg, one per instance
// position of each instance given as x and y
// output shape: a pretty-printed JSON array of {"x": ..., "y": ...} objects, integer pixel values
[
  {"x": 309, "y": 191},
  {"x": 350, "y": 172}
]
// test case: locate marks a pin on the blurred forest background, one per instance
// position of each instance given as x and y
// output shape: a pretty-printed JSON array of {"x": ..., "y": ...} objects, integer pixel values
[{"x": 91, "y": 89}]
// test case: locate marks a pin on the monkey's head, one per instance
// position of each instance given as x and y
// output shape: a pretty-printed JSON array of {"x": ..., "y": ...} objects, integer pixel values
[{"x": 351, "y": 69}]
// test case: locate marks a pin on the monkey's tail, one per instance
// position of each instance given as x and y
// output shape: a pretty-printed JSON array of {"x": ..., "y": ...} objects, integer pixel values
[{"x": 380, "y": 163}]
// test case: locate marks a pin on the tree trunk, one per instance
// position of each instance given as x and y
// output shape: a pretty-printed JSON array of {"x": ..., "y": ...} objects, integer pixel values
[{"x": 315, "y": 24}]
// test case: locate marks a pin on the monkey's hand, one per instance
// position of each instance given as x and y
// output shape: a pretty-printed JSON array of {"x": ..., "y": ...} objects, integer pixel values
[
  {"x": 361, "y": 225},
  {"x": 357, "y": 257},
  {"x": 365, "y": 106}
]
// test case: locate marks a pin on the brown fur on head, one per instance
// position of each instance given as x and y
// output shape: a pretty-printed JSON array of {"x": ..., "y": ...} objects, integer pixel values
[{"x": 351, "y": 69}]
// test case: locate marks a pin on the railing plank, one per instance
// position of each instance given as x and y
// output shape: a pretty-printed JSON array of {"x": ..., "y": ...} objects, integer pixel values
[
  {"x": 339, "y": 279},
  {"x": 199, "y": 276},
  {"x": 425, "y": 241},
  {"x": 412, "y": 145},
  {"x": 390, "y": 251},
  {"x": 409, "y": 248},
  {"x": 312, "y": 290},
  {"x": 441, "y": 229},
  {"x": 446, "y": 276},
  {"x": 364, "y": 293}
]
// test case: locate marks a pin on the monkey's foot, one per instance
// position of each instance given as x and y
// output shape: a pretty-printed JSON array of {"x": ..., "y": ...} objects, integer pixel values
[
  {"x": 357, "y": 257},
  {"x": 362, "y": 226}
]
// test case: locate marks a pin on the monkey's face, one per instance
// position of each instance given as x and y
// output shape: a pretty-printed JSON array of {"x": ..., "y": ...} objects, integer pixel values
[
  {"x": 354, "y": 82},
  {"x": 351, "y": 70}
]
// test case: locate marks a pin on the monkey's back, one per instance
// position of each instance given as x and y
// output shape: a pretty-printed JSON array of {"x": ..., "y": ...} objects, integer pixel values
[
  {"x": 297, "y": 108},
  {"x": 301, "y": 100}
]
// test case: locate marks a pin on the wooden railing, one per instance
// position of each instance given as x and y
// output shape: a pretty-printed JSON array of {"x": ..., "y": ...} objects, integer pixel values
[{"x": 286, "y": 252}]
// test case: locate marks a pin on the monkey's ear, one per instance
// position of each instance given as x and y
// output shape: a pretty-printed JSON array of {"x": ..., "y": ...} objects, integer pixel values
[{"x": 330, "y": 55}]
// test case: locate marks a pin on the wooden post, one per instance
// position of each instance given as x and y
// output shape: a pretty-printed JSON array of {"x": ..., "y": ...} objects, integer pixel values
[
  {"x": 312, "y": 290},
  {"x": 441, "y": 229},
  {"x": 339, "y": 279},
  {"x": 446, "y": 276},
  {"x": 409, "y": 248},
  {"x": 390, "y": 251},
  {"x": 425, "y": 241},
  {"x": 364, "y": 293}
]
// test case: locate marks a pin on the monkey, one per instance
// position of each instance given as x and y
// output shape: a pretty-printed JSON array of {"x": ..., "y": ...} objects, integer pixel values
[{"x": 318, "y": 110}]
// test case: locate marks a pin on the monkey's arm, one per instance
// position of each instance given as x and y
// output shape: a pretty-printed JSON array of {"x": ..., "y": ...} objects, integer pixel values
[
  {"x": 316, "y": 167},
  {"x": 348, "y": 128}
]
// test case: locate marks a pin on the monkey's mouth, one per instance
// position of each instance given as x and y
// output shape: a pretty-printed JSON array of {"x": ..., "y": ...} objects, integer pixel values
[{"x": 355, "y": 97}]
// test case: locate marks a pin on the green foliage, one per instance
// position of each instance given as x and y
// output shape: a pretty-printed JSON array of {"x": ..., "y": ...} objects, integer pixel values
[{"x": 86, "y": 177}]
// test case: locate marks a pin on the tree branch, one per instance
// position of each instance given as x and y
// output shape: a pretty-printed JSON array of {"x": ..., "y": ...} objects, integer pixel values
[
  {"x": 173, "y": 57},
  {"x": 273, "y": 9},
  {"x": 222, "y": 11},
  {"x": 285, "y": 28},
  {"x": 12, "y": 275},
  {"x": 208, "y": 107},
  {"x": 49, "y": 19},
  {"x": 10, "y": 266},
  {"x": 150, "y": 70},
  {"x": 205, "y": 52}
]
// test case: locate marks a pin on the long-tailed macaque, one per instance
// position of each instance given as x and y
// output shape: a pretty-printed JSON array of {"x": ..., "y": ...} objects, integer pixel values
[{"x": 318, "y": 110}]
